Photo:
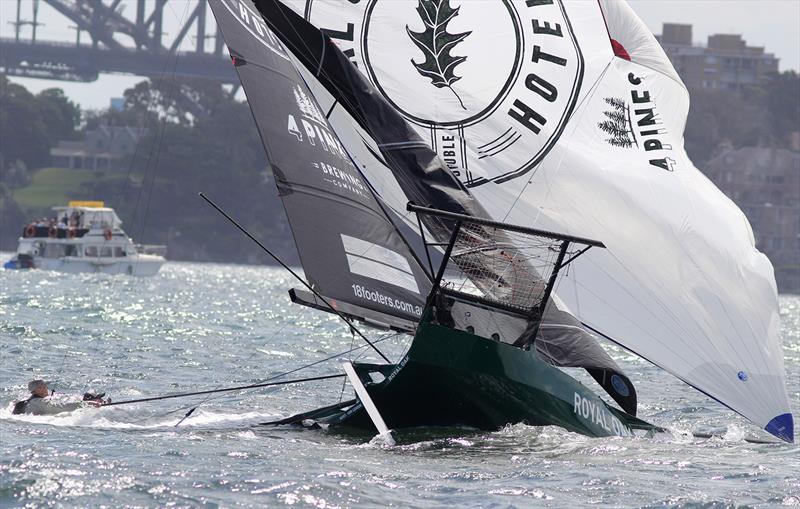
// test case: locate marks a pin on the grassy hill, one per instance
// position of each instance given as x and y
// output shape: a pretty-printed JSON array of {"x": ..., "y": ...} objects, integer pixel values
[{"x": 56, "y": 186}]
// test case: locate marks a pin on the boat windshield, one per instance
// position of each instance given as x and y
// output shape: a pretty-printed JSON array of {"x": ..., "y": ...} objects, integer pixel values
[{"x": 88, "y": 217}]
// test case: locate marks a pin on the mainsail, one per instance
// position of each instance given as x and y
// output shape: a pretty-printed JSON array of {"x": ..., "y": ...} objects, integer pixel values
[
  {"x": 350, "y": 249},
  {"x": 568, "y": 116}
]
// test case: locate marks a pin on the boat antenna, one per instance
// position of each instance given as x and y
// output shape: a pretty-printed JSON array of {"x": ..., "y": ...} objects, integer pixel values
[{"x": 296, "y": 276}]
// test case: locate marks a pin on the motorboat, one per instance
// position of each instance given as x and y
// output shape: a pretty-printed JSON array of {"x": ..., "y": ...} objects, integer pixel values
[{"x": 84, "y": 236}]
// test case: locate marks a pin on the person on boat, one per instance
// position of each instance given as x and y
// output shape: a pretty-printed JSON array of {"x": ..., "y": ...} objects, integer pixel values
[{"x": 41, "y": 403}]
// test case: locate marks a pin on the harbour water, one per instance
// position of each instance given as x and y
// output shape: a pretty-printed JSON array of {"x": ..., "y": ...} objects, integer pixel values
[{"x": 203, "y": 326}]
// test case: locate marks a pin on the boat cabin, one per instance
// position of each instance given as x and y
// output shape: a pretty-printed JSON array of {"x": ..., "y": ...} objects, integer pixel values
[{"x": 73, "y": 221}]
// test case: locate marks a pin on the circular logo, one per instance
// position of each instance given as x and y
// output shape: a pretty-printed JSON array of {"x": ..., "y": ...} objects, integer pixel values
[
  {"x": 619, "y": 385},
  {"x": 440, "y": 57},
  {"x": 490, "y": 84}
]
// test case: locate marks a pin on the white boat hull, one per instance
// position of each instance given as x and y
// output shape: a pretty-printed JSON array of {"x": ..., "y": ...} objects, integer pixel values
[
  {"x": 139, "y": 265},
  {"x": 84, "y": 237}
]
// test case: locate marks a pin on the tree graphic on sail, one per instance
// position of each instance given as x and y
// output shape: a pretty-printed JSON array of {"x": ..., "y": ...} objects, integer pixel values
[
  {"x": 436, "y": 44},
  {"x": 618, "y": 124}
]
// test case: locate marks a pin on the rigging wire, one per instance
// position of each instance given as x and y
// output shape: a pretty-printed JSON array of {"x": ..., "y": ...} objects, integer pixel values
[
  {"x": 224, "y": 389},
  {"x": 126, "y": 183},
  {"x": 60, "y": 369},
  {"x": 155, "y": 148},
  {"x": 342, "y": 98},
  {"x": 362, "y": 347},
  {"x": 296, "y": 276},
  {"x": 266, "y": 380}
]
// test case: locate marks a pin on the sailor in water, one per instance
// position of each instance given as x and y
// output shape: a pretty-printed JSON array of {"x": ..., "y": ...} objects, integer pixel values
[{"x": 40, "y": 402}]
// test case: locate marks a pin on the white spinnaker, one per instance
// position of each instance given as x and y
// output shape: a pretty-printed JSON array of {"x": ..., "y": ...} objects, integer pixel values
[{"x": 681, "y": 282}]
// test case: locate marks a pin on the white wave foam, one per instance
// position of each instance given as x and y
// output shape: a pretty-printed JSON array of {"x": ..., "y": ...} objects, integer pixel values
[{"x": 139, "y": 418}]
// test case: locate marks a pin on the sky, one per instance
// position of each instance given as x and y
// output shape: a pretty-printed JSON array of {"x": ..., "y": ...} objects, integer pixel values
[{"x": 773, "y": 24}]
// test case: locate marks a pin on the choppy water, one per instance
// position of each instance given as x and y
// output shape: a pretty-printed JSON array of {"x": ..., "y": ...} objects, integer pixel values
[{"x": 199, "y": 326}]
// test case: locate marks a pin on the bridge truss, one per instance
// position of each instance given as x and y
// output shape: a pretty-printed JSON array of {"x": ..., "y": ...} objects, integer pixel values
[{"x": 108, "y": 41}]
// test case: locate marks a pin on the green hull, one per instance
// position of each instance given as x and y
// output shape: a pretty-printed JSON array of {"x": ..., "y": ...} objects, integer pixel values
[{"x": 453, "y": 378}]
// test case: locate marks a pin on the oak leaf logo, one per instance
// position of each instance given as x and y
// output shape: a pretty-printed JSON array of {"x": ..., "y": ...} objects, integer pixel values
[{"x": 436, "y": 44}]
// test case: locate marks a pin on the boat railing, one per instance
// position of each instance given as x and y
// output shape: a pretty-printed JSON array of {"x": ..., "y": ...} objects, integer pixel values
[
  {"x": 53, "y": 232},
  {"x": 489, "y": 263},
  {"x": 151, "y": 249}
]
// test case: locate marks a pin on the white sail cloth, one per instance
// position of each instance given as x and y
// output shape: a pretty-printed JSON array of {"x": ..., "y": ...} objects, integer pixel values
[{"x": 535, "y": 113}]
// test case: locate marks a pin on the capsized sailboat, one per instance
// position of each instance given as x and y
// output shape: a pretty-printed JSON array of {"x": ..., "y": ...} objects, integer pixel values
[{"x": 580, "y": 134}]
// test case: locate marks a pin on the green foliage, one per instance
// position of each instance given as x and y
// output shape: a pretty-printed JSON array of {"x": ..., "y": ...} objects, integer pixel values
[
  {"x": 23, "y": 132},
  {"x": 31, "y": 124},
  {"x": 56, "y": 186},
  {"x": 16, "y": 175},
  {"x": 782, "y": 97},
  {"x": 11, "y": 220},
  {"x": 62, "y": 116},
  {"x": 199, "y": 139},
  {"x": 759, "y": 116}
]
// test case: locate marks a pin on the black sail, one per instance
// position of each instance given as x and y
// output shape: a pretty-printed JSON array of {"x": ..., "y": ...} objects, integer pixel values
[{"x": 350, "y": 251}]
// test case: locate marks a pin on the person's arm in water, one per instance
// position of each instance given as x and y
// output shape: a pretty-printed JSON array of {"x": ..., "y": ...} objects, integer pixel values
[
  {"x": 45, "y": 406},
  {"x": 40, "y": 402}
]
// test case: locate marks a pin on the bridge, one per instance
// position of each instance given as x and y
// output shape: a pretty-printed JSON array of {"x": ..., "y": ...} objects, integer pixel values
[{"x": 108, "y": 41}]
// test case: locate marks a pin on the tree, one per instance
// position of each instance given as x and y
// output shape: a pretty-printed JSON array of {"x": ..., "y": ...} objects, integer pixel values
[
  {"x": 30, "y": 125},
  {"x": 23, "y": 132},
  {"x": 179, "y": 100},
  {"x": 198, "y": 139},
  {"x": 60, "y": 115},
  {"x": 782, "y": 97},
  {"x": 717, "y": 116}
]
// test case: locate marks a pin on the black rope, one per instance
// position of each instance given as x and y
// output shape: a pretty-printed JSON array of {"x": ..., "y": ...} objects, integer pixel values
[
  {"x": 194, "y": 407},
  {"x": 344, "y": 381},
  {"x": 227, "y": 389},
  {"x": 296, "y": 276}
]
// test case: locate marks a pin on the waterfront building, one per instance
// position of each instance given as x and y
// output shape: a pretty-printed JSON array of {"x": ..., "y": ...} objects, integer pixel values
[
  {"x": 103, "y": 148},
  {"x": 765, "y": 184},
  {"x": 726, "y": 62}
]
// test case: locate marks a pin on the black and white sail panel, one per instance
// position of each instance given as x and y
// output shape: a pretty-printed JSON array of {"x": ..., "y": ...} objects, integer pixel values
[
  {"x": 351, "y": 252},
  {"x": 567, "y": 115},
  {"x": 398, "y": 162}
]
